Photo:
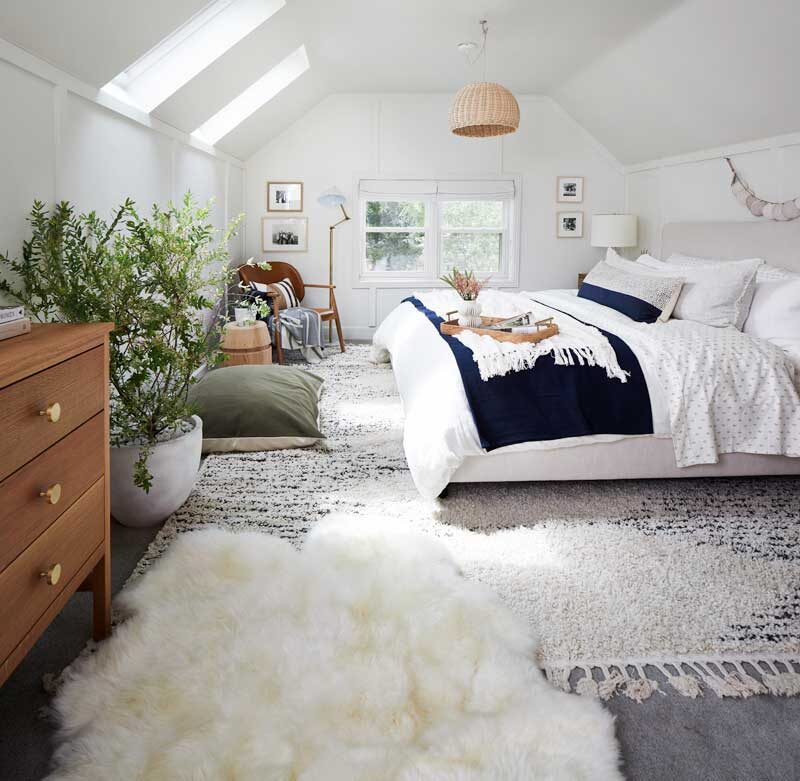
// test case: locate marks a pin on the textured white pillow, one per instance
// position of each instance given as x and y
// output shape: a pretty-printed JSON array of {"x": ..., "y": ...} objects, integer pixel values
[{"x": 717, "y": 293}]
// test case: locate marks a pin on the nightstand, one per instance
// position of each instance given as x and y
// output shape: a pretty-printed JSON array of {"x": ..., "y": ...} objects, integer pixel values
[{"x": 581, "y": 277}]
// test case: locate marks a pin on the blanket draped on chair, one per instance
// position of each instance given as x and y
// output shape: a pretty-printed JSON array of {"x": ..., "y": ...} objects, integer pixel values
[{"x": 301, "y": 329}]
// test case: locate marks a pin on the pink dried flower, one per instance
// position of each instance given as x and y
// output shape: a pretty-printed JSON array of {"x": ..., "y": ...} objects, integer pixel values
[{"x": 465, "y": 283}]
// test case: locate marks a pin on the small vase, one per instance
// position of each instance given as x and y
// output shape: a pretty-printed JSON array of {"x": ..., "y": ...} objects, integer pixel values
[{"x": 469, "y": 314}]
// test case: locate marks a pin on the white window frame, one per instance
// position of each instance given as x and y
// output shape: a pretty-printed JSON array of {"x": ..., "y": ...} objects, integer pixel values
[
  {"x": 504, "y": 230},
  {"x": 428, "y": 257},
  {"x": 508, "y": 276}
]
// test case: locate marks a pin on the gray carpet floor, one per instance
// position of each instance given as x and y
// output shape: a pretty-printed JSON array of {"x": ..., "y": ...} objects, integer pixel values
[{"x": 664, "y": 738}]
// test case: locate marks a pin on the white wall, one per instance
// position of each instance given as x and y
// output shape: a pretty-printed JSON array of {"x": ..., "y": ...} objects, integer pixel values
[
  {"x": 58, "y": 142},
  {"x": 696, "y": 188},
  {"x": 407, "y": 135}
]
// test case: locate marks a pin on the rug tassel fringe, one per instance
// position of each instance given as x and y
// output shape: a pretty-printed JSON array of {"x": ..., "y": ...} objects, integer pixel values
[{"x": 723, "y": 677}]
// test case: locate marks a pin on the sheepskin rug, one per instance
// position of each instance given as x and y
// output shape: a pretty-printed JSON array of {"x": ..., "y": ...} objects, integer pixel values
[{"x": 366, "y": 655}]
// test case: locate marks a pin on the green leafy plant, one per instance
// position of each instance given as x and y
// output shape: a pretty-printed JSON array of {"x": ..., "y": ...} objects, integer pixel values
[
  {"x": 245, "y": 298},
  {"x": 153, "y": 277}
]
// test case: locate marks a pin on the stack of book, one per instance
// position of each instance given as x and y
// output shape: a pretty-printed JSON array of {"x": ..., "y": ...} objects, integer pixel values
[{"x": 13, "y": 322}]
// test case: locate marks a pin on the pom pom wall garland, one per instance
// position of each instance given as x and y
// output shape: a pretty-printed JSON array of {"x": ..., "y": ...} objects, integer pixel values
[{"x": 782, "y": 212}]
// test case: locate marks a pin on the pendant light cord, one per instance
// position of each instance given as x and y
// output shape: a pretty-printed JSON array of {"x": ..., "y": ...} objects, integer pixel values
[
  {"x": 485, "y": 28},
  {"x": 482, "y": 51}
]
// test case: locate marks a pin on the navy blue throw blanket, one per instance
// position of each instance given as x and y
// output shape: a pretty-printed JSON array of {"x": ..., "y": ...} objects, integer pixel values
[{"x": 550, "y": 401}]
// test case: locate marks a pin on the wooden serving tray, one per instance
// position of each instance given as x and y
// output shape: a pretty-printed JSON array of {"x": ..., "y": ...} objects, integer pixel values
[{"x": 547, "y": 328}]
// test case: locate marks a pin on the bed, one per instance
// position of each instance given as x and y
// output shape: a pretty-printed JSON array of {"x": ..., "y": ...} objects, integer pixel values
[{"x": 440, "y": 438}]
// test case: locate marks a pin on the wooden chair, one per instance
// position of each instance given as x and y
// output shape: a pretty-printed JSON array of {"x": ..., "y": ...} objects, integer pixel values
[{"x": 279, "y": 272}]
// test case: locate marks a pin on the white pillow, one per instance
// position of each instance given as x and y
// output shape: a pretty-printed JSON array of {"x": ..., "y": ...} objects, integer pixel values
[
  {"x": 768, "y": 272},
  {"x": 775, "y": 312},
  {"x": 718, "y": 293}
]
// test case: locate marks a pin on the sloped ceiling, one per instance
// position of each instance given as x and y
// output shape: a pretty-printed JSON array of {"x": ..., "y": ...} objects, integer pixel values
[
  {"x": 92, "y": 39},
  {"x": 707, "y": 73},
  {"x": 649, "y": 78}
]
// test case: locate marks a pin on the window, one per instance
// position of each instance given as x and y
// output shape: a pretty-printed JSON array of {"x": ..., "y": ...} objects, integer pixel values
[
  {"x": 471, "y": 235},
  {"x": 254, "y": 97},
  {"x": 191, "y": 48},
  {"x": 420, "y": 230},
  {"x": 395, "y": 235}
]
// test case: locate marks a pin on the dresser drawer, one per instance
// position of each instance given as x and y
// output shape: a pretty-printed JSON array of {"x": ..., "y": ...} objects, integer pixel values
[
  {"x": 67, "y": 469},
  {"x": 25, "y": 593},
  {"x": 76, "y": 385}
]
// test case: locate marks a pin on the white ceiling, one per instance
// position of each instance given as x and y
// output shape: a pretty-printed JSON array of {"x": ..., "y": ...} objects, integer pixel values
[{"x": 649, "y": 78}]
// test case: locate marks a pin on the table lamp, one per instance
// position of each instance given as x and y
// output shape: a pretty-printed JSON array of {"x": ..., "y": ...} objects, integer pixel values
[{"x": 614, "y": 230}]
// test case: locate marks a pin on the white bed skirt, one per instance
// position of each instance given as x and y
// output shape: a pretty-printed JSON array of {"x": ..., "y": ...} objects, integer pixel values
[{"x": 630, "y": 458}]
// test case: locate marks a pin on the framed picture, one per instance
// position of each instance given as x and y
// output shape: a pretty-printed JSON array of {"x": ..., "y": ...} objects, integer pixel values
[
  {"x": 570, "y": 189},
  {"x": 570, "y": 225},
  {"x": 284, "y": 234},
  {"x": 284, "y": 196}
]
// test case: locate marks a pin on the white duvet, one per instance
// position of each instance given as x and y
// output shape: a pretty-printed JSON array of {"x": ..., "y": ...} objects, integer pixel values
[{"x": 713, "y": 390}]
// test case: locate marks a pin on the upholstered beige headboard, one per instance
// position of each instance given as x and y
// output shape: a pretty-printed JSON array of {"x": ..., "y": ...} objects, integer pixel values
[{"x": 777, "y": 243}]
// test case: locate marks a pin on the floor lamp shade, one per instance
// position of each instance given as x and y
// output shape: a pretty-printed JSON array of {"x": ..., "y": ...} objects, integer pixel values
[
  {"x": 333, "y": 196},
  {"x": 614, "y": 230}
]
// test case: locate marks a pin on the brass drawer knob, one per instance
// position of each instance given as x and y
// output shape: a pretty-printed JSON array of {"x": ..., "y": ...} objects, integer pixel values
[
  {"x": 52, "y": 413},
  {"x": 52, "y": 576},
  {"x": 52, "y": 494}
]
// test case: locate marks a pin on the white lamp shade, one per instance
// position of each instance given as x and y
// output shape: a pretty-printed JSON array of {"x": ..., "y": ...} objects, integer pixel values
[
  {"x": 614, "y": 230},
  {"x": 333, "y": 196}
]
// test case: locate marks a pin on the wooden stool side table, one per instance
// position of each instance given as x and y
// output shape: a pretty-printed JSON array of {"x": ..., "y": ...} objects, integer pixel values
[{"x": 246, "y": 344}]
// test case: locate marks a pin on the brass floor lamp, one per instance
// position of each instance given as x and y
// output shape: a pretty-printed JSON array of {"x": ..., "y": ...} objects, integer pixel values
[{"x": 332, "y": 197}]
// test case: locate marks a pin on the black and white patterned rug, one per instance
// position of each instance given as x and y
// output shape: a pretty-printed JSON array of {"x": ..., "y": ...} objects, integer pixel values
[{"x": 632, "y": 586}]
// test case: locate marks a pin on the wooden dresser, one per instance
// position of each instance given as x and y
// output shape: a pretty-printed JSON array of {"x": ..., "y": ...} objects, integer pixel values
[{"x": 54, "y": 495}]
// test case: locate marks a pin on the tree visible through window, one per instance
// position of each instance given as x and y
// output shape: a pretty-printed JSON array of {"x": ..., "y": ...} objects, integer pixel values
[
  {"x": 391, "y": 246},
  {"x": 431, "y": 227},
  {"x": 471, "y": 236}
]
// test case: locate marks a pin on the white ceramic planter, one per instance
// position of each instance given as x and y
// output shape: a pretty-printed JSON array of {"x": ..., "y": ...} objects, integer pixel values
[
  {"x": 173, "y": 464},
  {"x": 469, "y": 314}
]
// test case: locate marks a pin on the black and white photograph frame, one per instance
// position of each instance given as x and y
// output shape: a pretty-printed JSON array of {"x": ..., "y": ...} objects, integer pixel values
[
  {"x": 284, "y": 234},
  {"x": 569, "y": 189},
  {"x": 569, "y": 225},
  {"x": 284, "y": 196}
]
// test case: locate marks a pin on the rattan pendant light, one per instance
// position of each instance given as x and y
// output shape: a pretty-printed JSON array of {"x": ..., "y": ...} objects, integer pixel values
[{"x": 483, "y": 108}]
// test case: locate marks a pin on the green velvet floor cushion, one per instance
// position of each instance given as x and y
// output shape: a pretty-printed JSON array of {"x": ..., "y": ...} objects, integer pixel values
[{"x": 258, "y": 408}]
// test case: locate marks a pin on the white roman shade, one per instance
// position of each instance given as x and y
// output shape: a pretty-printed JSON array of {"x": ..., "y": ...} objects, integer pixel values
[
  {"x": 485, "y": 189},
  {"x": 465, "y": 189},
  {"x": 389, "y": 188}
]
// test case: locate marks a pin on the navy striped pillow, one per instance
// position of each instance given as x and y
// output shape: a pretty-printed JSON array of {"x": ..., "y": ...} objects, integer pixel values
[
  {"x": 286, "y": 288},
  {"x": 642, "y": 297},
  {"x": 287, "y": 297}
]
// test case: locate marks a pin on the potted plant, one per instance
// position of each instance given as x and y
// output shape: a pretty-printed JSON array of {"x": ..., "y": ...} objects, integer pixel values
[
  {"x": 153, "y": 277},
  {"x": 468, "y": 286}
]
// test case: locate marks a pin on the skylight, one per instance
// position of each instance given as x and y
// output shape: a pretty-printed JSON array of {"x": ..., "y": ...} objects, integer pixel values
[
  {"x": 255, "y": 96},
  {"x": 190, "y": 49}
]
